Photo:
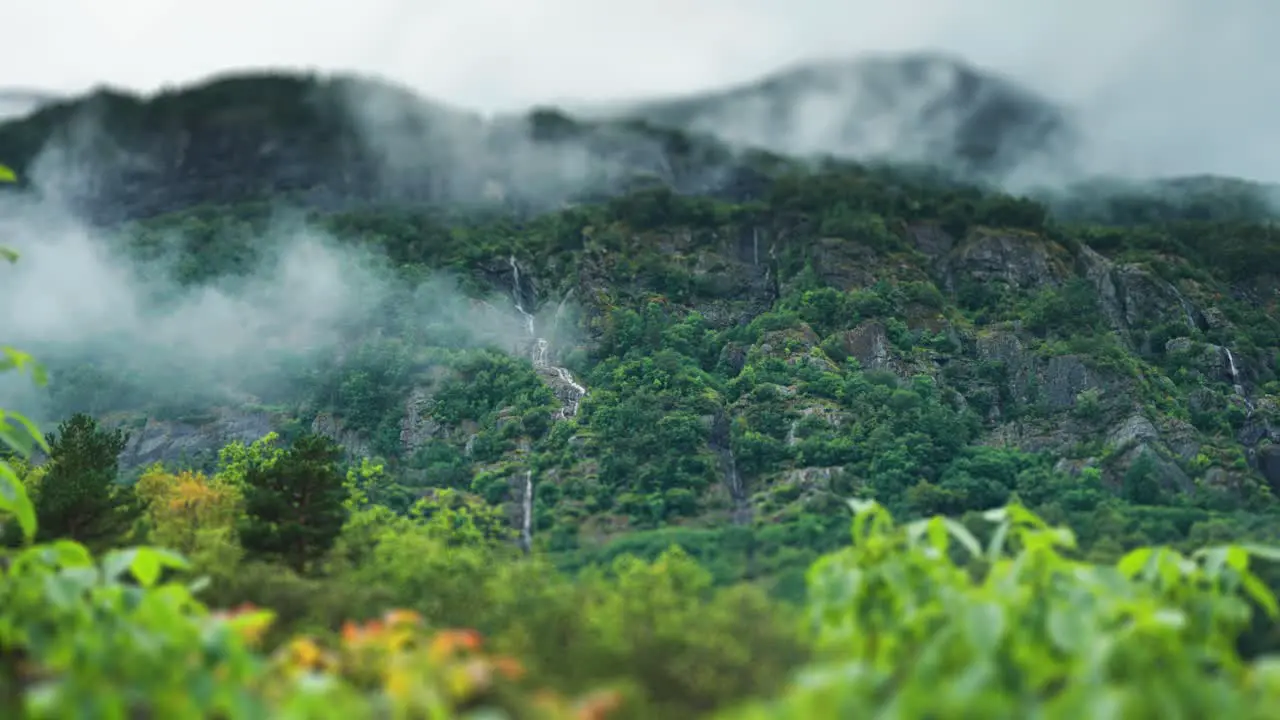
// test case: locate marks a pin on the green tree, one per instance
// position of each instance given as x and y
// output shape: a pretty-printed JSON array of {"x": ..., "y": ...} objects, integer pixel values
[
  {"x": 1142, "y": 481},
  {"x": 79, "y": 497},
  {"x": 295, "y": 507}
]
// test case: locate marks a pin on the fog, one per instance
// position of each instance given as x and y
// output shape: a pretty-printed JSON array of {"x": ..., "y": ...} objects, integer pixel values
[
  {"x": 109, "y": 326},
  {"x": 1145, "y": 87},
  {"x": 1160, "y": 86}
]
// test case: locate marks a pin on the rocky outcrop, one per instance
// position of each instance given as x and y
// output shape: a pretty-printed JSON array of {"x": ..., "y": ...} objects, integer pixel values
[
  {"x": 417, "y": 426},
  {"x": 332, "y": 427},
  {"x": 1132, "y": 298},
  {"x": 194, "y": 441},
  {"x": 1029, "y": 379},
  {"x": 1017, "y": 260},
  {"x": 869, "y": 344}
]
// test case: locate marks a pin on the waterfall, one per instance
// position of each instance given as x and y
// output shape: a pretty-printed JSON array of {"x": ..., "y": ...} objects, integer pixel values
[
  {"x": 526, "y": 519},
  {"x": 741, "y": 509},
  {"x": 568, "y": 389},
  {"x": 515, "y": 295},
  {"x": 721, "y": 442},
  {"x": 1235, "y": 375},
  {"x": 1236, "y": 385}
]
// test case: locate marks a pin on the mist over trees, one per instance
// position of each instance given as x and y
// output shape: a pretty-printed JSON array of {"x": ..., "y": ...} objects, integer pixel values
[{"x": 685, "y": 430}]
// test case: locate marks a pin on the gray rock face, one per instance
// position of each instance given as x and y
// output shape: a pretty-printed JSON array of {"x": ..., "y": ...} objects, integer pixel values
[
  {"x": 1065, "y": 377},
  {"x": 333, "y": 428},
  {"x": 1014, "y": 260},
  {"x": 174, "y": 442},
  {"x": 1135, "y": 429},
  {"x": 417, "y": 427},
  {"x": 1131, "y": 297},
  {"x": 869, "y": 343}
]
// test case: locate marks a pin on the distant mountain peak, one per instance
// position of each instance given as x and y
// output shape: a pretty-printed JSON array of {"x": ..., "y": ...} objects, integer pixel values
[
  {"x": 17, "y": 102},
  {"x": 917, "y": 107}
]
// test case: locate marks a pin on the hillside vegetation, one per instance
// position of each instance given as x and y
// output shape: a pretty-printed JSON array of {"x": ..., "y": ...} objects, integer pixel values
[{"x": 639, "y": 489}]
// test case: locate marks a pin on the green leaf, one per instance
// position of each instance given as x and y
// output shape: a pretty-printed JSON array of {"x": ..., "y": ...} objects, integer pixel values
[
  {"x": 1264, "y": 552},
  {"x": 19, "y": 442},
  {"x": 1135, "y": 561},
  {"x": 69, "y": 553},
  {"x": 11, "y": 359},
  {"x": 984, "y": 624},
  {"x": 7, "y": 174},
  {"x": 115, "y": 562},
  {"x": 32, "y": 431},
  {"x": 145, "y": 567},
  {"x": 1213, "y": 558},
  {"x": 1066, "y": 627},
  {"x": 8, "y": 254},
  {"x": 149, "y": 562},
  {"x": 1260, "y": 593},
  {"x": 144, "y": 563},
  {"x": 14, "y": 501},
  {"x": 963, "y": 536},
  {"x": 995, "y": 547}
]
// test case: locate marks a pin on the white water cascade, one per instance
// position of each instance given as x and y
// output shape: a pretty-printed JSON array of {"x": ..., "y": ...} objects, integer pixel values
[
  {"x": 1235, "y": 379},
  {"x": 568, "y": 389},
  {"x": 526, "y": 519},
  {"x": 1235, "y": 375},
  {"x": 562, "y": 383}
]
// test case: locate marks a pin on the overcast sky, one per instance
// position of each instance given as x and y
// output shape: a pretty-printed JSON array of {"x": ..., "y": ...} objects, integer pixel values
[{"x": 1191, "y": 77}]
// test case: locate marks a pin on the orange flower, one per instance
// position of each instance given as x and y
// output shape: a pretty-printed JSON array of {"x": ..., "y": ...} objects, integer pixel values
[
  {"x": 448, "y": 642},
  {"x": 509, "y": 667},
  {"x": 351, "y": 633}
]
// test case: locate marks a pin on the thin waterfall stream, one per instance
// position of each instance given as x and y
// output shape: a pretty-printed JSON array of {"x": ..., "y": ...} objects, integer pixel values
[{"x": 562, "y": 382}]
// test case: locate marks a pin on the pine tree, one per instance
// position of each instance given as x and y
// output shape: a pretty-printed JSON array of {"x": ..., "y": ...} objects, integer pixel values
[
  {"x": 294, "y": 507},
  {"x": 79, "y": 497}
]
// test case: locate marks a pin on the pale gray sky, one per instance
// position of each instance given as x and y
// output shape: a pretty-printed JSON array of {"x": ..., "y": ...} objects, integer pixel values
[{"x": 1194, "y": 77}]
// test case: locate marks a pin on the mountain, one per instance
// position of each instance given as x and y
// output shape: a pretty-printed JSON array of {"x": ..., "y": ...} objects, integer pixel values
[
  {"x": 685, "y": 360},
  {"x": 606, "y": 388},
  {"x": 337, "y": 142},
  {"x": 17, "y": 103},
  {"x": 901, "y": 108},
  {"x": 330, "y": 142}
]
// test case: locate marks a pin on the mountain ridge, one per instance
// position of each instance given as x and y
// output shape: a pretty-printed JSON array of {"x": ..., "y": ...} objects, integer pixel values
[
  {"x": 382, "y": 140},
  {"x": 777, "y": 328}
]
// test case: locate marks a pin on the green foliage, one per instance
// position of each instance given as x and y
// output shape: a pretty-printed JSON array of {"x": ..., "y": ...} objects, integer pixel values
[
  {"x": 920, "y": 620},
  {"x": 294, "y": 506},
  {"x": 750, "y": 361},
  {"x": 79, "y": 497}
]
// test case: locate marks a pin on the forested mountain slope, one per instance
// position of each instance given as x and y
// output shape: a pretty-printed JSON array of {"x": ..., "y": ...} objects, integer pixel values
[
  {"x": 664, "y": 341},
  {"x": 747, "y": 363}
]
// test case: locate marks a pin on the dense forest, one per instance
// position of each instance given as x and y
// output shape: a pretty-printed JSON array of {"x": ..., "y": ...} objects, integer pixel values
[{"x": 823, "y": 440}]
